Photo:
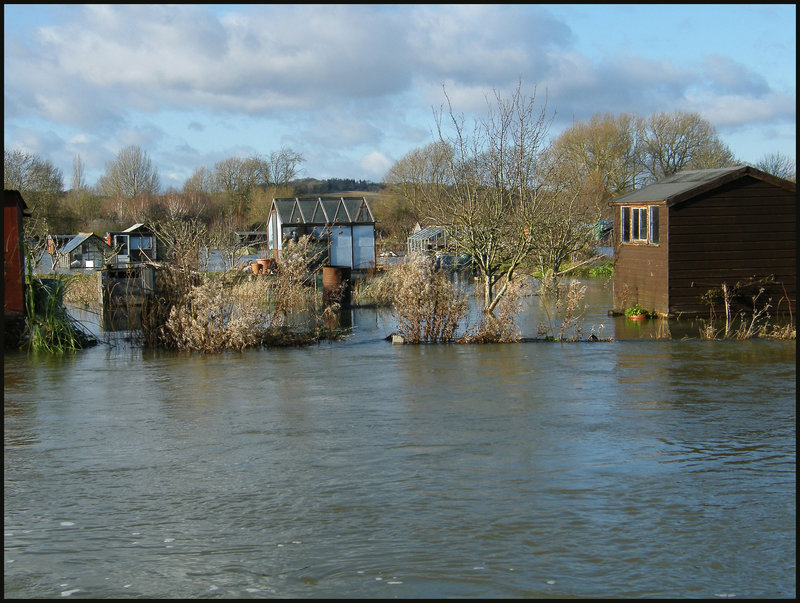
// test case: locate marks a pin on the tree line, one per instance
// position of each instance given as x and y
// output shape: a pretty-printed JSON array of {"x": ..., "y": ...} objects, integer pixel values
[{"x": 510, "y": 197}]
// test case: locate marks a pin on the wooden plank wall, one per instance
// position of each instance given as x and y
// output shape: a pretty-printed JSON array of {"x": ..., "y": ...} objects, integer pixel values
[
  {"x": 640, "y": 270},
  {"x": 741, "y": 231}
]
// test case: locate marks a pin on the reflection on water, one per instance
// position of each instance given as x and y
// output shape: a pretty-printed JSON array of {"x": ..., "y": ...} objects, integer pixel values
[{"x": 634, "y": 468}]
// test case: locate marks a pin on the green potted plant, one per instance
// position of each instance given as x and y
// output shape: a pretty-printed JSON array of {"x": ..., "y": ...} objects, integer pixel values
[{"x": 637, "y": 312}]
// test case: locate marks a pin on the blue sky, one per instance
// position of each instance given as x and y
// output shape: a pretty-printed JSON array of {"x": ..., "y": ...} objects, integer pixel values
[{"x": 353, "y": 88}]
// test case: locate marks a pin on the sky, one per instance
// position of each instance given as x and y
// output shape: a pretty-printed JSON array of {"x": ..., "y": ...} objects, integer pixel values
[{"x": 354, "y": 88}]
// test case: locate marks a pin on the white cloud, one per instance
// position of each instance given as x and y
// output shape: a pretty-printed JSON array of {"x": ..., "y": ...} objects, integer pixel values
[
  {"x": 376, "y": 164},
  {"x": 332, "y": 81},
  {"x": 737, "y": 110}
]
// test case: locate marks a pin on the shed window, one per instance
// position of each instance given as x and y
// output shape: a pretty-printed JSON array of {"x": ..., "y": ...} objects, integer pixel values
[
  {"x": 653, "y": 224},
  {"x": 141, "y": 242},
  {"x": 639, "y": 224}
]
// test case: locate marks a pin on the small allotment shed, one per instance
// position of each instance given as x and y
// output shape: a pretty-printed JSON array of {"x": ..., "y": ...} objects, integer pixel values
[
  {"x": 86, "y": 250},
  {"x": 427, "y": 240},
  {"x": 136, "y": 245},
  {"x": 345, "y": 224},
  {"x": 692, "y": 232}
]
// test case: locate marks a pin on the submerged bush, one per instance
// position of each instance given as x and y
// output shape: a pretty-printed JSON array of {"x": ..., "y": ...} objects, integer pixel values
[
  {"x": 500, "y": 327},
  {"x": 427, "y": 306},
  {"x": 564, "y": 307},
  {"x": 210, "y": 320}
]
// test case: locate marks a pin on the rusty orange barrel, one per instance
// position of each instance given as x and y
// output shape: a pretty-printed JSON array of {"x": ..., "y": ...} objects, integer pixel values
[{"x": 336, "y": 285}]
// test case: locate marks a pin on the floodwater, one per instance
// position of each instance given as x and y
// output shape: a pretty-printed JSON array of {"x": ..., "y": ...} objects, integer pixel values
[{"x": 640, "y": 467}]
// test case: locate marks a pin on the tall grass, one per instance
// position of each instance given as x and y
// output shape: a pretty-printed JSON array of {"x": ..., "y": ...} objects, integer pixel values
[{"x": 49, "y": 328}]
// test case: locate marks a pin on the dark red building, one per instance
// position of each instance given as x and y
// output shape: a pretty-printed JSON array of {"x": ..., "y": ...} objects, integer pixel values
[{"x": 13, "y": 257}]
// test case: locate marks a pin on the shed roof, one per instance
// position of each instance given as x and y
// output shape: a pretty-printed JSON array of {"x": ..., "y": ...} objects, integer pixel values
[
  {"x": 427, "y": 233},
  {"x": 78, "y": 240},
  {"x": 690, "y": 183},
  {"x": 320, "y": 211},
  {"x": 139, "y": 226}
]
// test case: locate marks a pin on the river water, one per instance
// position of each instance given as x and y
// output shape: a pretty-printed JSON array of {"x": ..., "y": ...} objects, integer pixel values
[{"x": 639, "y": 467}]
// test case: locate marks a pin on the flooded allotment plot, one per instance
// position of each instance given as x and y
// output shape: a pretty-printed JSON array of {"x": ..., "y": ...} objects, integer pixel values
[{"x": 640, "y": 467}]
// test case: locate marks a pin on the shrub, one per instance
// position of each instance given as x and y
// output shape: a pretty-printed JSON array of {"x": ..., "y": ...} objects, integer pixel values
[
  {"x": 236, "y": 311},
  {"x": 427, "y": 306},
  {"x": 211, "y": 320},
  {"x": 563, "y": 303}
]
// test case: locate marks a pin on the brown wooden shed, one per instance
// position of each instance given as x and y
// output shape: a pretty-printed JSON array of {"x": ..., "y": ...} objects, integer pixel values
[{"x": 692, "y": 232}]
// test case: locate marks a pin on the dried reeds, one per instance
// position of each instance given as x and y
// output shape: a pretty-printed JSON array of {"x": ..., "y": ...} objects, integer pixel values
[
  {"x": 211, "y": 314},
  {"x": 744, "y": 324},
  {"x": 427, "y": 306}
]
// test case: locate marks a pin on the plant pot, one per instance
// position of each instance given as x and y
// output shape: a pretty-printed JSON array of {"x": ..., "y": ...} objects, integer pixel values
[
  {"x": 637, "y": 317},
  {"x": 256, "y": 268}
]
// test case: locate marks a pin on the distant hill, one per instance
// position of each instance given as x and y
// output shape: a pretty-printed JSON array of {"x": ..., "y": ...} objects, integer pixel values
[{"x": 312, "y": 186}]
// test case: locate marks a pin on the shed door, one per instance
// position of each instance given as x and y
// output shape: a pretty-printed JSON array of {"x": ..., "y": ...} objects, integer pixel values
[
  {"x": 122, "y": 241},
  {"x": 363, "y": 247},
  {"x": 342, "y": 246}
]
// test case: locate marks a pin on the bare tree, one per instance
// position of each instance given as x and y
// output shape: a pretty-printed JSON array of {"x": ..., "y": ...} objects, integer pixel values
[
  {"x": 130, "y": 175},
  {"x": 675, "y": 141},
  {"x": 238, "y": 178},
  {"x": 485, "y": 191},
  {"x": 596, "y": 160},
  {"x": 421, "y": 173},
  {"x": 241, "y": 178},
  {"x": 284, "y": 165},
  {"x": 222, "y": 237},
  {"x": 80, "y": 205},
  {"x": 778, "y": 165},
  {"x": 38, "y": 180},
  {"x": 184, "y": 236},
  {"x": 201, "y": 181},
  {"x": 78, "y": 175}
]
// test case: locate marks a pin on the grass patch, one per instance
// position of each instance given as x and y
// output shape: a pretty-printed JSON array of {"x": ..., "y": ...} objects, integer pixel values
[{"x": 49, "y": 328}]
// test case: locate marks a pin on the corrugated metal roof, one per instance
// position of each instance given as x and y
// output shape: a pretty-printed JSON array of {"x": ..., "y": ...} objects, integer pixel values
[{"x": 690, "y": 183}]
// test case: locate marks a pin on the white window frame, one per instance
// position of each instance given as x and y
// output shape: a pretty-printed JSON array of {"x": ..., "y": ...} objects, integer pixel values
[{"x": 639, "y": 224}]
